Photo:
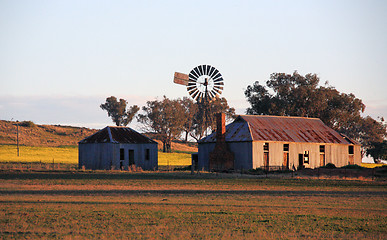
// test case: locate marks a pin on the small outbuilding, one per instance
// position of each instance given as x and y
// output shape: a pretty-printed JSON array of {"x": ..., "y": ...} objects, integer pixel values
[
  {"x": 275, "y": 142},
  {"x": 118, "y": 148}
]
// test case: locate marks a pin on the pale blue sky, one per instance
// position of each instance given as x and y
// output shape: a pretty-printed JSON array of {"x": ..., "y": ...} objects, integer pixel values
[{"x": 59, "y": 60}]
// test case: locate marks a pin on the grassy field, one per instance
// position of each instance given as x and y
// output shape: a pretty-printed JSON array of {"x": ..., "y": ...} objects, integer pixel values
[
  {"x": 69, "y": 154},
  {"x": 76, "y": 205}
]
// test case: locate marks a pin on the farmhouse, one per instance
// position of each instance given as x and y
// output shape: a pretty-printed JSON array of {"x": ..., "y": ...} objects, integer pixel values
[
  {"x": 117, "y": 148},
  {"x": 275, "y": 142}
]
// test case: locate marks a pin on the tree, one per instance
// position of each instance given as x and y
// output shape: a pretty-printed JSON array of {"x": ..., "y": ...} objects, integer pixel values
[
  {"x": 378, "y": 151},
  {"x": 117, "y": 111},
  {"x": 166, "y": 118},
  {"x": 296, "y": 95},
  {"x": 190, "y": 110},
  {"x": 204, "y": 119}
]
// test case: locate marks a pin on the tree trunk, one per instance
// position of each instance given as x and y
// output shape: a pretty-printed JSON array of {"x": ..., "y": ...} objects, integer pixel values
[{"x": 167, "y": 146}]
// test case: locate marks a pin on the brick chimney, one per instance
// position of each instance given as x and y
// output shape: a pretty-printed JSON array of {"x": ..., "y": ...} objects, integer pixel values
[
  {"x": 221, "y": 158},
  {"x": 220, "y": 127}
]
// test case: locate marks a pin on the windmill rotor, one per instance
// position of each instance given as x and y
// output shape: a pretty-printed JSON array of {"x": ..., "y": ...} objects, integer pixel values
[{"x": 204, "y": 83}]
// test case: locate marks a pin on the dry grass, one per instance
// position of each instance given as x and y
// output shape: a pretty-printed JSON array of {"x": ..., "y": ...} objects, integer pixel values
[
  {"x": 76, "y": 205},
  {"x": 42, "y": 135}
]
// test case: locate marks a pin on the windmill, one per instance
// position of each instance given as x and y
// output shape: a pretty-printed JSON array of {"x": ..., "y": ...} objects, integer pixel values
[{"x": 204, "y": 83}]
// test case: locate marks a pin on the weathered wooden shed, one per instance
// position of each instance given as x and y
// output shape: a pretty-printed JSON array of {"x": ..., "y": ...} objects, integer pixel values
[
  {"x": 277, "y": 142},
  {"x": 118, "y": 148}
]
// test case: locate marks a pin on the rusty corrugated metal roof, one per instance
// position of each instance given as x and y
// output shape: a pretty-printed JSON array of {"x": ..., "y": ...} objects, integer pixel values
[
  {"x": 279, "y": 128},
  {"x": 117, "y": 135}
]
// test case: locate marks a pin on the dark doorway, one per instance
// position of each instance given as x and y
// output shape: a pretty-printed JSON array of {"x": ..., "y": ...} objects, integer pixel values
[
  {"x": 122, "y": 158},
  {"x": 131, "y": 157},
  {"x": 300, "y": 161}
]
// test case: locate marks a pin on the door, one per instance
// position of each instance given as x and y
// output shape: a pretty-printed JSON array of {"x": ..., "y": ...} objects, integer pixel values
[
  {"x": 351, "y": 160},
  {"x": 131, "y": 157},
  {"x": 285, "y": 163},
  {"x": 322, "y": 160},
  {"x": 300, "y": 161},
  {"x": 266, "y": 161}
]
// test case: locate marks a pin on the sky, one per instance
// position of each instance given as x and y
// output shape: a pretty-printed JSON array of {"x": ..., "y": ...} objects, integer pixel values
[{"x": 59, "y": 60}]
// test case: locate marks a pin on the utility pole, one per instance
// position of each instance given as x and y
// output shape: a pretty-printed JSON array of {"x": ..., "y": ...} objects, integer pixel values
[{"x": 17, "y": 136}]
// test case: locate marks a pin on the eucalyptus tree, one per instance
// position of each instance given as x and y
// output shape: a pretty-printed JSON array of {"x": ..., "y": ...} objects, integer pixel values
[
  {"x": 118, "y": 112},
  {"x": 165, "y": 118},
  {"x": 297, "y": 95}
]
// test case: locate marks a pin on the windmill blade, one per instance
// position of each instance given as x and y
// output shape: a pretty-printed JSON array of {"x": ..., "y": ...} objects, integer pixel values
[
  {"x": 192, "y": 78},
  {"x": 214, "y": 73},
  {"x": 217, "y": 90},
  {"x": 211, "y": 94},
  {"x": 193, "y": 75},
  {"x": 189, "y": 88},
  {"x": 218, "y": 87},
  {"x": 204, "y": 67},
  {"x": 217, "y": 77},
  {"x": 216, "y": 93},
  {"x": 195, "y": 95},
  {"x": 201, "y": 70},
  {"x": 218, "y": 83},
  {"x": 192, "y": 91},
  {"x": 197, "y": 71},
  {"x": 199, "y": 96},
  {"x": 207, "y": 69},
  {"x": 211, "y": 71}
]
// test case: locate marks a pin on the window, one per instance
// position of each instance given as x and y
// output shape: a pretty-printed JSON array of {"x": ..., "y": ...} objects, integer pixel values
[
  {"x": 122, "y": 154},
  {"x": 322, "y": 149},
  {"x": 306, "y": 157},
  {"x": 266, "y": 147},
  {"x": 147, "y": 154},
  {"x": 286, "y": 147},
  {"x": 350, "y": 149}
]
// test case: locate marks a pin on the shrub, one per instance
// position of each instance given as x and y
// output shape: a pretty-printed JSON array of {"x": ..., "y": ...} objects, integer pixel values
[
  {"x": 330, "y": 166},
  {"x": 353, "y": 166},
  {"x": 187, "y": 168},
  {"x": 29, "y": 124}
]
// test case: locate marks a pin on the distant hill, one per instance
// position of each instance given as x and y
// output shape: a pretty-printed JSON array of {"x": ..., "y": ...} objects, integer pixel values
[{"x": 31, "y": 134}]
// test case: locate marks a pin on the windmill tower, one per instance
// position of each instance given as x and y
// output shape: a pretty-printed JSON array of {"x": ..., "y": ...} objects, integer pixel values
[{"x": 204, "y": 83}]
